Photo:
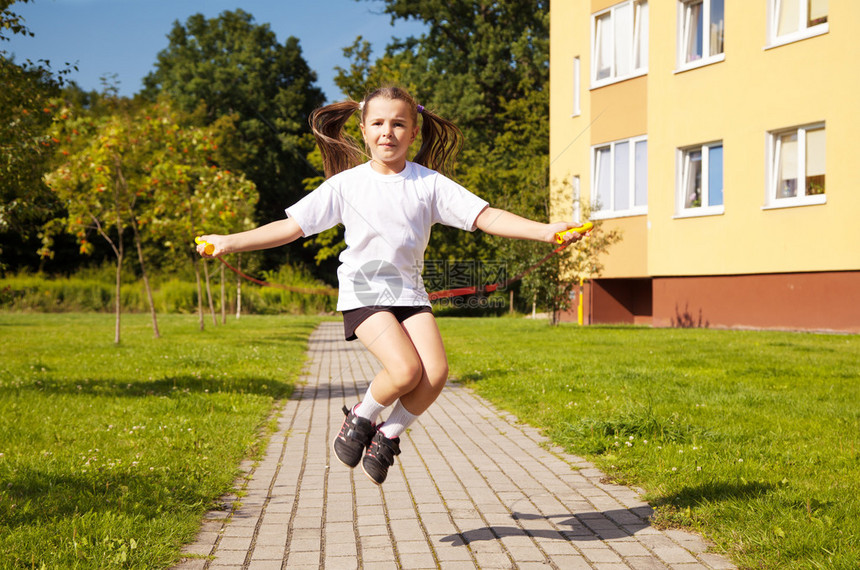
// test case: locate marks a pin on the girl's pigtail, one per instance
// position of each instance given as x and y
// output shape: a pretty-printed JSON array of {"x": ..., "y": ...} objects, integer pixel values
[
  {"x": 441, "y": 143},
  {"x": 339, "y": 150}
]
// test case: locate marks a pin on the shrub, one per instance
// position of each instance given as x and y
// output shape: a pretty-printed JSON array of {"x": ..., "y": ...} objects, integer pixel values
[{"x": 94, "y": 291}]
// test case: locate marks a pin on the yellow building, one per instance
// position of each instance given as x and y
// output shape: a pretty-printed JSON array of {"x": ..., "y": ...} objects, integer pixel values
[{"x": 719, "y": 137}]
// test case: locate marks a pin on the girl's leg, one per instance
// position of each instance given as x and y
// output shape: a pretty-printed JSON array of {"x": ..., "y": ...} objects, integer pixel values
[
  {"x": 423, "y": 336},
  {"x": 388, "y": 341}
]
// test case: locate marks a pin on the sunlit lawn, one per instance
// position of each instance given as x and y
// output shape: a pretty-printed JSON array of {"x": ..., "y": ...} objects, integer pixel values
[
  {"x": 752, "y": 438},
  {"x": 109, "y": 456}
]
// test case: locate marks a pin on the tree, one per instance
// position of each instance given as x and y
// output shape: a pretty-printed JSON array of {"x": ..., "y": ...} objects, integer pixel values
[
  {"x": 231, "y": 66},
  {"x": 485, "y": 66},
  {"x": 140, "y": 169},
  {"x": 25, "y": 147},
  {"x": 93, "y": 188},
  {"x": 553, "y": 285},
  {"x": 191, "y": 194}
]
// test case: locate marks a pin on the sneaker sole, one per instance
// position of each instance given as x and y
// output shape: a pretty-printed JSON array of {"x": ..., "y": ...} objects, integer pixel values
[
  {"x": 341, "y": 461},
  {"x": 372, "y": 480}
]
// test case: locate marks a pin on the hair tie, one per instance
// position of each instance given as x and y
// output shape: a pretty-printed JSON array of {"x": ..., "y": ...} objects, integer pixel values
[
  {"x": 420, "y": 108},
  {"x": 361, "y": 105}
]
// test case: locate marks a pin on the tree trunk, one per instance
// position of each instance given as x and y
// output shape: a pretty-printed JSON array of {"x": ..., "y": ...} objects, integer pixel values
[
  {"x": 223, "y": 297},
  {"x": 209, "y": 293},
  {"x": 199, "y": 293},
  {"x": 118, "y": 293},
  {"x": 239, "y": 289},
  {"x": 118, "y": 252},
  {"x": 146, "y": 286}
]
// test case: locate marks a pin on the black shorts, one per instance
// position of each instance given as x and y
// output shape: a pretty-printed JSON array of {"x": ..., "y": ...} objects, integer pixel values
[{"x": 354, "y": 317}]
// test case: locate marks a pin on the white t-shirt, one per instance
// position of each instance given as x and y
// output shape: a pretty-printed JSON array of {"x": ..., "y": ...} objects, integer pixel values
[{"x": 387, "y": 220}]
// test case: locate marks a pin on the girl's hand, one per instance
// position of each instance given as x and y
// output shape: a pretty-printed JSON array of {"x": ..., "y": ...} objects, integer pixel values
[
  {"x": 560, "y": 227},
  {"x": 212, "y": 245}
]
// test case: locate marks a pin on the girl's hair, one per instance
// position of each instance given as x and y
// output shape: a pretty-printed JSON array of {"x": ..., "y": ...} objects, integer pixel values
[{"x": 441, "y": 140}]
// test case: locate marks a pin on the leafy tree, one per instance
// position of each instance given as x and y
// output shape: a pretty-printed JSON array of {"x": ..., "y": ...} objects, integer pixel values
[
  {"x": 484, "y": 65},
  {"x": 554, "y": 284},
  {"x": 190, "y": 192},
  {"x": 232, "y": 66},
  {"x": 93, "y": 187},
  {"x": 25, "y": 147},
  {"x": 141, "y": 170}
]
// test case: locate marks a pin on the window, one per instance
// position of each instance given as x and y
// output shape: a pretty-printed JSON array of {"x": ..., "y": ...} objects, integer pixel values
[
  {"x": 792, "y": 20},
  {"x": 797, "y": 167},
  {"x": 700, "y": 180},
  {"x": 620, "y": 178},
  {"x": 577, "y": 197},
  {"x": 577, "y": 86},
  {"x": 619, "y": 42},
  {"x": 701, "y": 32}
]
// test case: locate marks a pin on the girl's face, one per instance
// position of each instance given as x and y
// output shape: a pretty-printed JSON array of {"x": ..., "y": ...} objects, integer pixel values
[{"x": 388, "y": 130}]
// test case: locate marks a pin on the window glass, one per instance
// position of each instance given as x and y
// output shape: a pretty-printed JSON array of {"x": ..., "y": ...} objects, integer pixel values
[
  {"x": 816, "y": 12},
  {"x": 640, "y": 35},
  {"x": 640, "y": 192},
  {"x": 693, "y": 26},
  {"x": 715, "y": 175},
  {"x": 693, "y": 179},
  {"x": 604, "y": 46},
  {"x": 622, "y": 176},
  {"x": 603, "y": 173},
  {"x": 788, "y": 17},
  {"x": 620, "y": 185},
  {"x": 815, "y": 154},
  {"x": 620, "y": 41},
  {"x": 623, "y": 40},
  {"x": 786, "y": 180},
  {"x": 718, "y": 25}
]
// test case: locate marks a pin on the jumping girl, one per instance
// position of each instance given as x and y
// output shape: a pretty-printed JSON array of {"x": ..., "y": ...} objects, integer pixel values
[{"x": 387, "y": 206}]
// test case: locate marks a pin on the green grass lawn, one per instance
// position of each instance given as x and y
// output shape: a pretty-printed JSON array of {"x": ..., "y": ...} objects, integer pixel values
[
  {"x": 751, "y": 438},
  {"x": 110, "y": 455}
]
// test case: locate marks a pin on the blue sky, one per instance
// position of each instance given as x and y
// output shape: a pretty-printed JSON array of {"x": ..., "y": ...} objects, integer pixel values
[{"x": 123, "y": 37}]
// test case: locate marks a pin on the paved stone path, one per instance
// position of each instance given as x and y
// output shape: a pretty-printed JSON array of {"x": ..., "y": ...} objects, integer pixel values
[{"x": 471, "y": 489}]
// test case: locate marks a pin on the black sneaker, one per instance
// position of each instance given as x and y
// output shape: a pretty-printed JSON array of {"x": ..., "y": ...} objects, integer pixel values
[
  {"x": 354, "y": 437},
  {"x": 380, "y": 456}
]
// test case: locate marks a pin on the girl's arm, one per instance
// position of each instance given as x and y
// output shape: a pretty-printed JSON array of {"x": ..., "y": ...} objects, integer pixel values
[
  {"x": 505, "y": 224},
  {"x": 274, "y": 234}
]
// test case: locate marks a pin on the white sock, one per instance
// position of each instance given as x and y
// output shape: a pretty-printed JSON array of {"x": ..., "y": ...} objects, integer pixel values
[
  {"x": 398, "y": 421},
  {"x": 368, "y": 407}
]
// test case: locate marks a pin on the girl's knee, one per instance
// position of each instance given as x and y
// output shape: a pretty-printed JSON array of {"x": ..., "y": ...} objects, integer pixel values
[
  {"x": 405, "y": 374},
  {"x": 437, "y": 374}
]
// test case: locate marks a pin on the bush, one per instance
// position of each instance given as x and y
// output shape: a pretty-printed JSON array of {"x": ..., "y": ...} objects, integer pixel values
[{"x": 94, "y": 291}]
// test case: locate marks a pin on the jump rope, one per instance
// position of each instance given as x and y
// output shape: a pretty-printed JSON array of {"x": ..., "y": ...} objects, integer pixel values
[{"x": 560, "y": 238}]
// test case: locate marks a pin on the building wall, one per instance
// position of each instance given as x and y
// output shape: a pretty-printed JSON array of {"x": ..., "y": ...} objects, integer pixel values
[
  {"x": 755, "y": 90},
  {"x": 785, "y": 301},
  {"x": 788, "y": 267}
]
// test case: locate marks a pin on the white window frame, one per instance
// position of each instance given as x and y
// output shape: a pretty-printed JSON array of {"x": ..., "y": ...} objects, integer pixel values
[
  {"x": 577, "y": 199},
  {"x": 636, "y": 31},
  {"x": 577, "y": 87},
  {"x": 606, "y": 211},
  {"x": 774, "y": 150},
  {"x": 684, "y": 34},
  {"x": 803, "y": 31},
  {"x": 681, "y": 174}
]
